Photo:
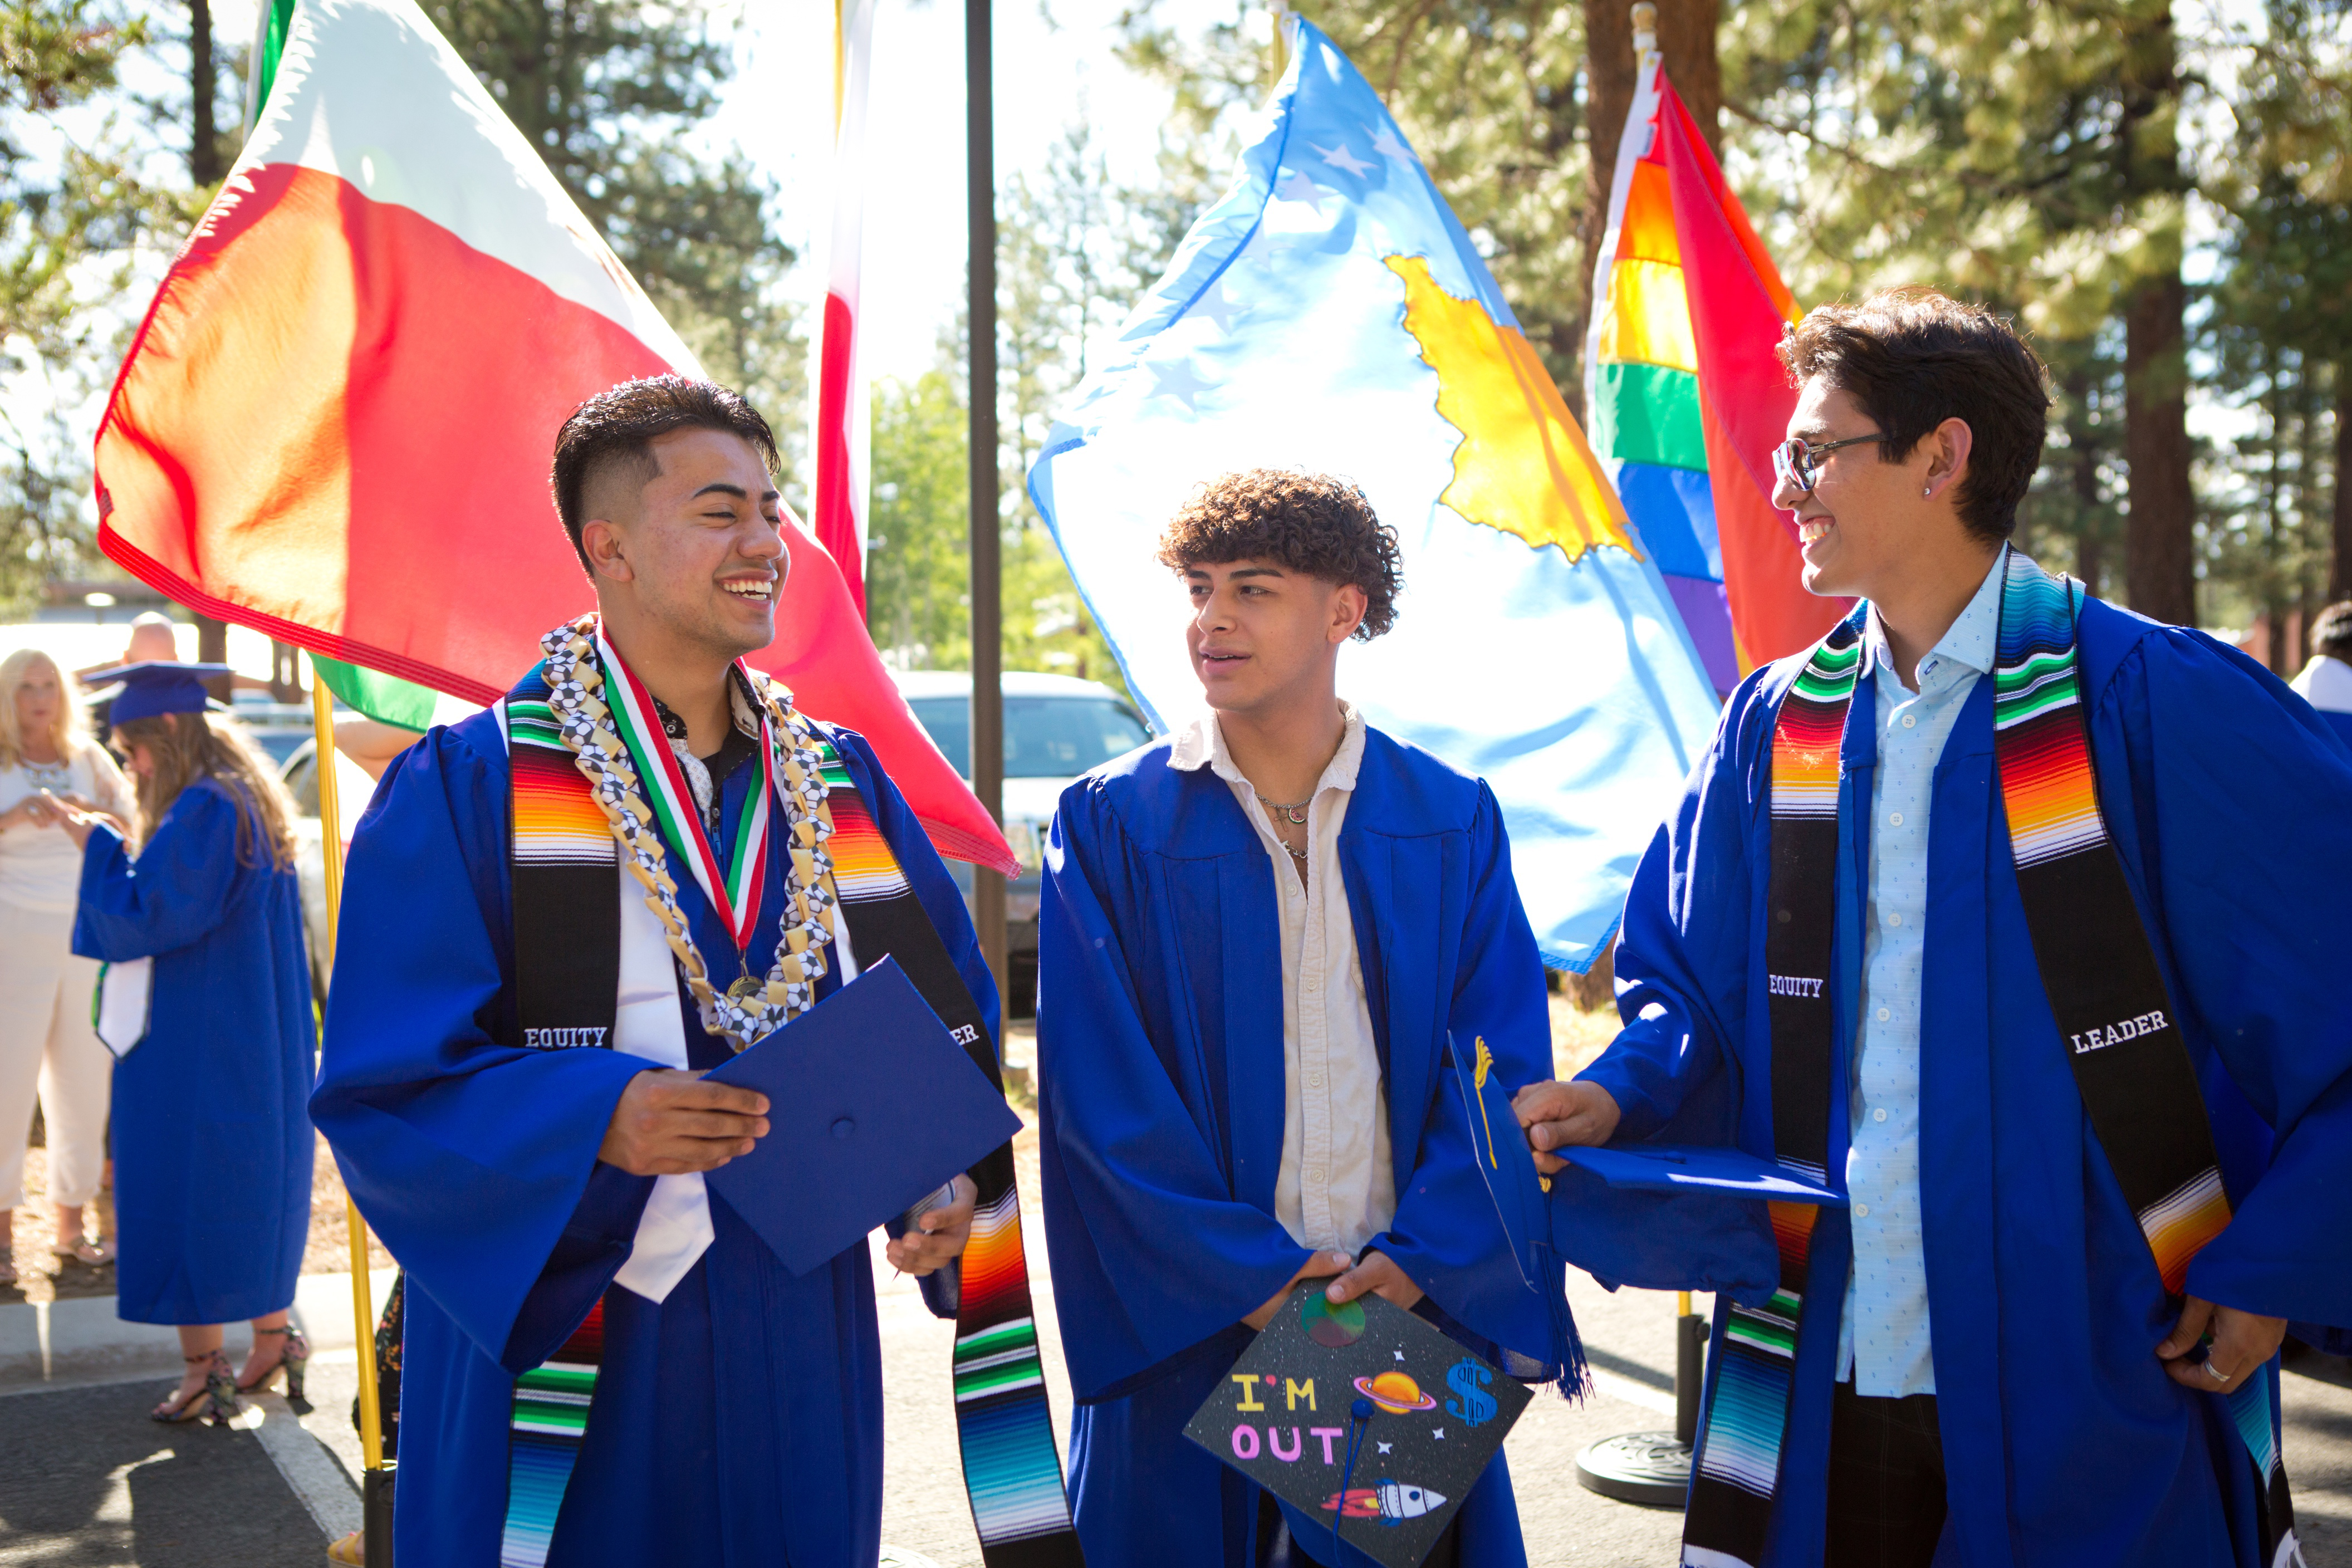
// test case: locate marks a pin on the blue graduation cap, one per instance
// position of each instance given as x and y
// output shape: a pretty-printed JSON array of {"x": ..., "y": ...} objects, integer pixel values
[
  {"x": 154, "y": 687},
  {"x": 1731, "y": 1172},
  {"x": 871, "y": 1106}
]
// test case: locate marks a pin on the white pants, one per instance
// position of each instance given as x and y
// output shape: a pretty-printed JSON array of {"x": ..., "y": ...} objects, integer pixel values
[{"x": 46, "y": 1040}]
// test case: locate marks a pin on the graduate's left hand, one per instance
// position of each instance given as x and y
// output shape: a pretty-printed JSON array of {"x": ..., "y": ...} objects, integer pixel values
[
  {"x": 1377, "y": 1275},
  {"x": 2242, "y": 1342},
  {"x": 938, "y": 1237}
]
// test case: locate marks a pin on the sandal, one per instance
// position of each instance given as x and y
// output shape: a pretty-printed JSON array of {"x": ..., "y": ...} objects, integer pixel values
[
  {"x": 290, "y": 1361},
  {"x": 215, "y": 1402},
  {"x": 90, "y": 1253}
]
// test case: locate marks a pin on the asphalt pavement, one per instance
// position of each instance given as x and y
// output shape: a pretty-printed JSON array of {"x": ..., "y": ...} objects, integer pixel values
[{"x": 87, "y": 1481}]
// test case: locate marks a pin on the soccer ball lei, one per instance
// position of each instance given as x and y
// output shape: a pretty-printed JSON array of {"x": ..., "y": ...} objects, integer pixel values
[{"x": 750, "y": 1008}]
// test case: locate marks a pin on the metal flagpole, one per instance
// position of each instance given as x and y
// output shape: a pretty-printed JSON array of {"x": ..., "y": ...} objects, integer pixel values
[
  {"x": 987, "y": 612},
  {"x": 1649, "y": 1468},
  {"x": 375, "y": 1491}
]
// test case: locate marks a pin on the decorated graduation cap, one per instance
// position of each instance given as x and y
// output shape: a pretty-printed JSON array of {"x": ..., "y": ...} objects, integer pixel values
[
  {"x": 1367, "y": 1422},
  {"x": 154, "y": 687}
]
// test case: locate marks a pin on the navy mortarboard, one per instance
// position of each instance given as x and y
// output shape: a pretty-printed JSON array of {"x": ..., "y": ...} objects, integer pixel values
[{"x": 153, "y": 686}]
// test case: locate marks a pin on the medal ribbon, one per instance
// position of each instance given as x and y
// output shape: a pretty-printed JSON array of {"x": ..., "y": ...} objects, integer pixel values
[{"x": 734, "y": 895}]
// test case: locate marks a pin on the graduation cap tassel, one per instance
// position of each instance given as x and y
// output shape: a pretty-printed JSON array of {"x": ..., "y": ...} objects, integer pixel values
[
  {"x": 376, "y": 1485},
  {"x": 1568, "y": 1346}
]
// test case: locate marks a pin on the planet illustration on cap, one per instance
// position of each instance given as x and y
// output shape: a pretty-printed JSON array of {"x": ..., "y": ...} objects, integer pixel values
[
  {"x": 1395, "y": 1391},
  {"x": 1332, "y": 1326}
]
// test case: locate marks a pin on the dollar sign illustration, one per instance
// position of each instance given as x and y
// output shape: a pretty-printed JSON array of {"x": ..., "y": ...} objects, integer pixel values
[{"x": 1476, "y": 1407}]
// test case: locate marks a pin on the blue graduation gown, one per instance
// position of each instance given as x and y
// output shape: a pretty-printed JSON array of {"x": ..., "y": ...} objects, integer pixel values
[
  {"x": 1160, "y": 1100},
  {"x": 737, "y": 1421},
  {"x": 2065, "y": 1441},
  {"x": 212, "y": 1145}
]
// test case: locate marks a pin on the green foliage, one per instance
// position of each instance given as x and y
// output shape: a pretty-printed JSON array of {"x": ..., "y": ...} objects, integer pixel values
[
  {"x": 918, "y": 571},
  {"x": 73, "y": 212}
]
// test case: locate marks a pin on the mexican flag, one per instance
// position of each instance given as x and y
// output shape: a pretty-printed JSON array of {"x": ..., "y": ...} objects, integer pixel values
[{"x": 335, "y": 423}]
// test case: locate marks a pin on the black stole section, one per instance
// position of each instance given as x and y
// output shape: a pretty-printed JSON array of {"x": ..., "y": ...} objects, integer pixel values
[
  {"x": 567, "y": 908},
  {"x": 2098, "y": 971},
  {"x": 1803, "y": 901}
]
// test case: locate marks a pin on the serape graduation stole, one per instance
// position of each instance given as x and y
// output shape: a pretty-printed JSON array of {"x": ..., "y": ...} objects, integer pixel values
[
  {"x": 1012, "y": 1469},
  {"x": 551, "y": 1413},
  {"x": 2106, "y": 990},
  {"x": 564, "y": 852},
  {"x": 1736, "y": 1468},
  {"x": 2100, "y": 972}
]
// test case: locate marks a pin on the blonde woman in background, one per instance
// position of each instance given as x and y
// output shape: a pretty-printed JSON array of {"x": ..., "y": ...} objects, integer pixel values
[
  {"x": 46, "y": 1044},
  {"x": 213, "y": 1144}
]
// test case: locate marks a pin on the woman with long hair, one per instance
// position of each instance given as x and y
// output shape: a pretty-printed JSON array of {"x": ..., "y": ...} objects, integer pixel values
[
  {"x": 212, "y": 1137},
  {"x": 47, "y": 1045}
]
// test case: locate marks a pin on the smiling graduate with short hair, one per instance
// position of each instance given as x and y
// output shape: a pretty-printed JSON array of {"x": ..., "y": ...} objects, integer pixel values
[
  {"x": 1255, "y": 937},
  {"x": 560, "y": 913}
]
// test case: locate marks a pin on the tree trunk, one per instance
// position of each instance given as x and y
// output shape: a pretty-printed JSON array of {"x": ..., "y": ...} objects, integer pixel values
[
  {"x": 2159, "y": 541},
  {"x": 2159, "y": 546},
  {"x": 1686, "y": 30},
  {"x": 2083, "y": 454},
  {"x": 212, "y": 647},
  {"x": 205, "y": 167},
  {"x": 205, "y": 164},
  {"x": 285, "y": 673},
  {"x": 2340, "y": 570}
]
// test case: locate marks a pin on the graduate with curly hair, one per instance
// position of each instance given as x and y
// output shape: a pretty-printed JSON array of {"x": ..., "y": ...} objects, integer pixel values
[{"x": 1255, "y": 936}]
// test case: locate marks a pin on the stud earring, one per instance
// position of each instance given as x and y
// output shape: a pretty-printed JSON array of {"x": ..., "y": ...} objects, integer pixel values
[{"x": 1926, "y": 489}]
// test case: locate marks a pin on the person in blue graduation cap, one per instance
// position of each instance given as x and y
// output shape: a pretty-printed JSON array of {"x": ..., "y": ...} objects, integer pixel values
[
  {"x": 1257, "y": 936},
  {"x": 559, "y": 914},
  {"x": 2017, "y": 918},
  {"x": 212, "y": 1143}
]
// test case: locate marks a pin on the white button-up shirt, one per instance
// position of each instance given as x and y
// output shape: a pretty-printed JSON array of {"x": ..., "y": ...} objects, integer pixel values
[
  {"x": 1335, "y": 1189},
  {"x": 1883, "y": 1339}
]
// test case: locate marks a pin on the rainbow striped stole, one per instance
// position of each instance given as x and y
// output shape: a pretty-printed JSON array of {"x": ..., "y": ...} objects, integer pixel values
[
  {"x": 2100, "y": 972},
  {"x": 1012, "y": 1468},
  {"x": 549, "y": 1416},
  {"x": 1736, "y": 1470},
  {"x": 2106, "y": 990}
]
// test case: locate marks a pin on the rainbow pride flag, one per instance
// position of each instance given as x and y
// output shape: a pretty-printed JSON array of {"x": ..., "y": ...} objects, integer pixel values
[{"x": 1686, "y": 396}]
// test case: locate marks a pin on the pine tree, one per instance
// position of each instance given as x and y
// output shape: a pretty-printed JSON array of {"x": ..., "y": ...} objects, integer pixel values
[{"x": 73, "y": 211}]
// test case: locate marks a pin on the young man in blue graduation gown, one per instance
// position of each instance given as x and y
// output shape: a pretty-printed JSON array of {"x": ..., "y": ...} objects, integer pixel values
[
  {"x": 1257, "y": 936},
  {"x": 1874, "y": 946},
  {"x": 535, "y": 1191}
]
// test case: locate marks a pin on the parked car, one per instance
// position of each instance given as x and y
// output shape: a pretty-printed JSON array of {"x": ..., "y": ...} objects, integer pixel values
[
  {"x": 280, "y": 729},
  {"x": 1055, "y": 728}
]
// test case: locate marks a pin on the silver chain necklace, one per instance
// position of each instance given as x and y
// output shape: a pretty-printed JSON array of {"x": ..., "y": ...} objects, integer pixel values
[{"x": 1295, "y": 814}]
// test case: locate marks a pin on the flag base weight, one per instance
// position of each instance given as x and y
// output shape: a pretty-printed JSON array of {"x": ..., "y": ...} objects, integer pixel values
[
  {"x": 375, "y": 1515},
  {"x": 1653, "y": 1469}
]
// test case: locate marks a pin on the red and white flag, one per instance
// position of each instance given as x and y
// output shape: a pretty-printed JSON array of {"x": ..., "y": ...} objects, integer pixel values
[
  {"x": 334, "y": 424},
  {"x": 841, "y": 435}
]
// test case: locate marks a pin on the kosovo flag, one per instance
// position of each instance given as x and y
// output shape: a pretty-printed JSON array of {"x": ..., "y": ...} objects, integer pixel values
[{"x": 1330, "y": 315}]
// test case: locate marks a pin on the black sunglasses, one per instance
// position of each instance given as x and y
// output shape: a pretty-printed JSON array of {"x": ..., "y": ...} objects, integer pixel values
[{"x": 1798, "y": 462}]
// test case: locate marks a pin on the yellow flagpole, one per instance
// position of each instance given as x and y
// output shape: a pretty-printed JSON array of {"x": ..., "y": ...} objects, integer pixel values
[{"x": 330, "y": 837}]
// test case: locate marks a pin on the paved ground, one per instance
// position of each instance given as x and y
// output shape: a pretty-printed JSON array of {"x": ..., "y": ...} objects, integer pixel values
[{"x": 87, "y": 1481}]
